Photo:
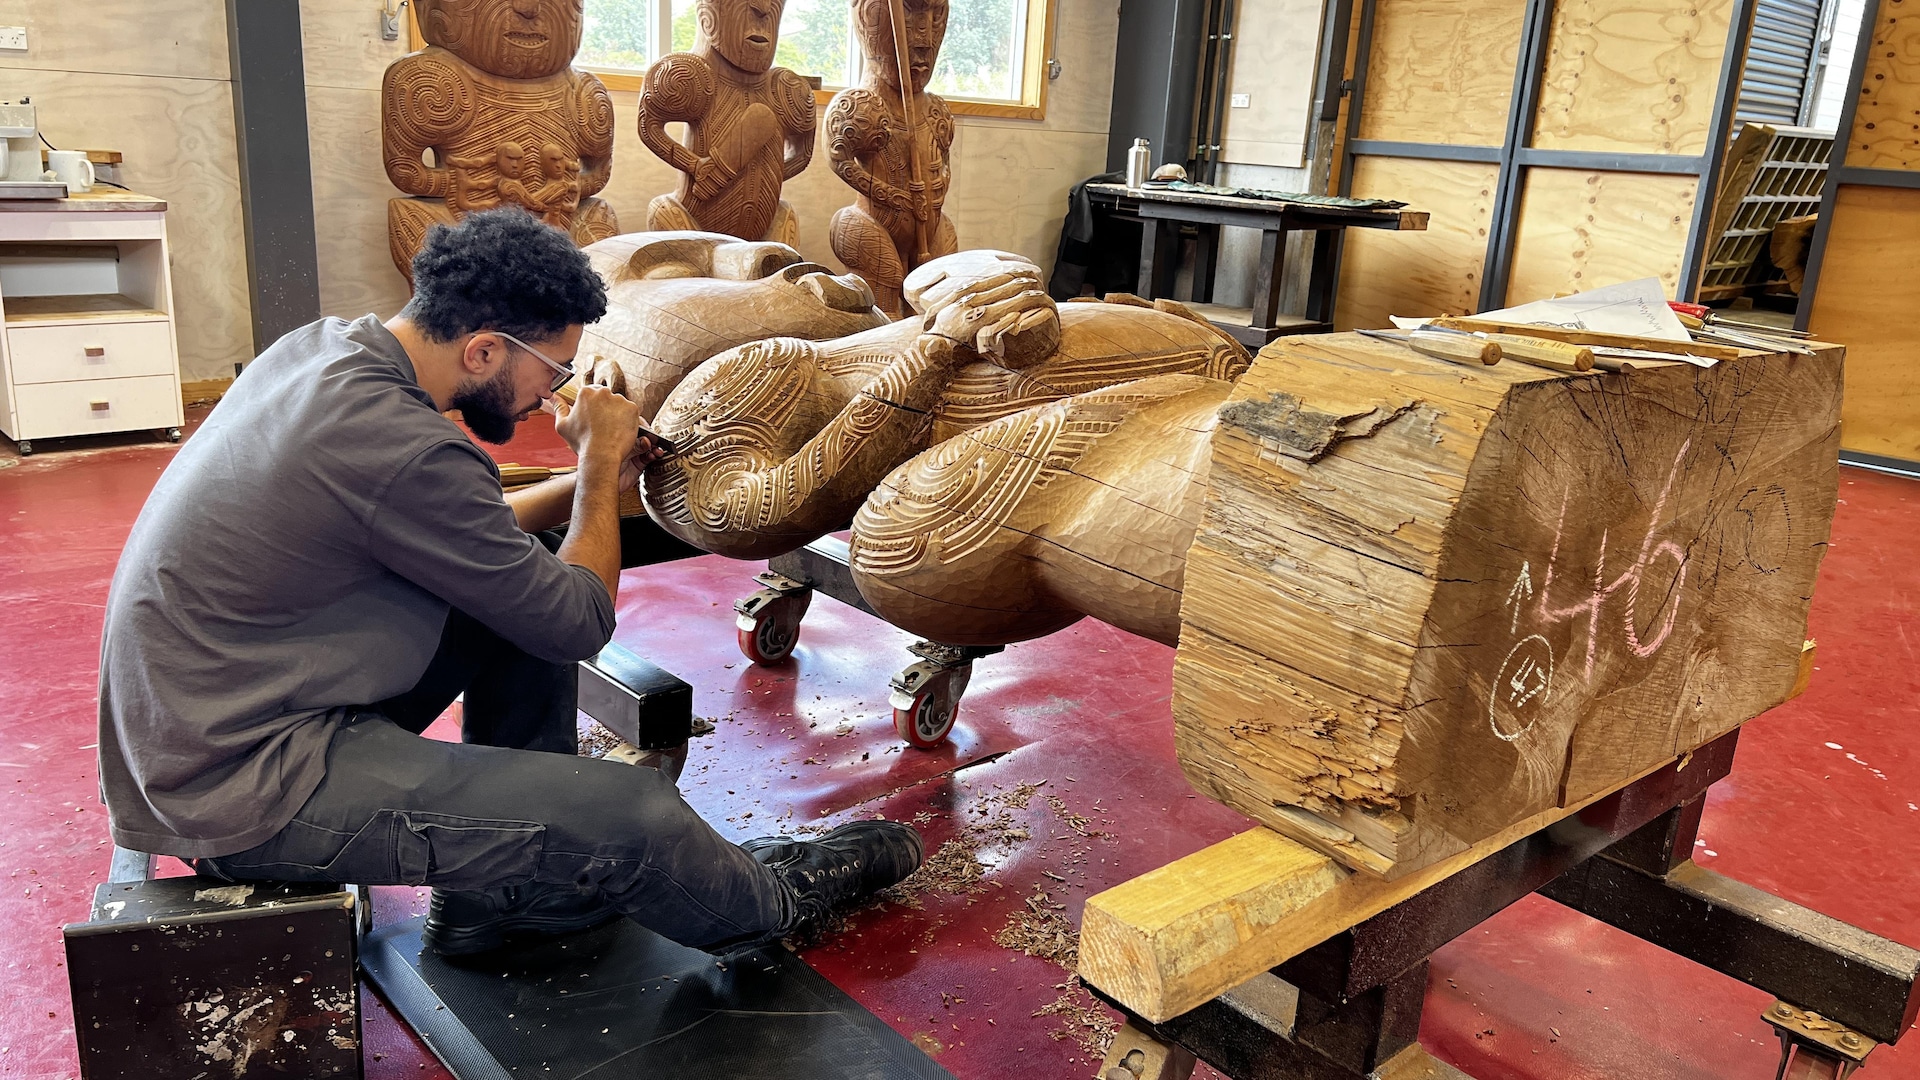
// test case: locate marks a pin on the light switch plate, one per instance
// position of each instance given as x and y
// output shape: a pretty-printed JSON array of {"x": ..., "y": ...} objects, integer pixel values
[
  {"x": 13, "y": 37},
  {"x": 1243, "y": 101}
]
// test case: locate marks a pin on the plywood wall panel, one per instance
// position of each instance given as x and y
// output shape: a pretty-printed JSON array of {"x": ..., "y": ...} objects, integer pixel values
[
  {"x": 1441, "y": 70},
  {"x": 1417, "y": 273},
  {"x": 177, "y": 38},
  {"x": 178, "y": 138},
  {"x": 1868, "y": 292},
  {"x": 1580, "y": 230},
  {"x": 350, "y": 193},
  {"x": 1632, "y": 76},
  {"x": 1886, "y": 123},
  {"x": 340, "y": 48}
]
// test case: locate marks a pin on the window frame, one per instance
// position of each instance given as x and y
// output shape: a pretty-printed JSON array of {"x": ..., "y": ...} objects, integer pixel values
[{"x": 1033, "y": 72}]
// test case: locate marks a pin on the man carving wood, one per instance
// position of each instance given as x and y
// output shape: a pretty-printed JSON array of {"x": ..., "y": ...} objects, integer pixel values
[
  {"x": 749, "y": 126},
  {"x": 889, "y": 140},
  {"x": 507, "y": 121}
]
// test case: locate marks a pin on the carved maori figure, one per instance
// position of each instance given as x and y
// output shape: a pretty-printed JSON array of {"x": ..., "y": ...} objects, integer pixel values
[
  {"x": 676, "y": 298},
  {"x": 1415, "y": 604},
  {"x": 749, "y": 126},
  {"x": 490, "y": 113},
  {"x": 889, "y": 140},
  {"x": 785, "y": 438}
]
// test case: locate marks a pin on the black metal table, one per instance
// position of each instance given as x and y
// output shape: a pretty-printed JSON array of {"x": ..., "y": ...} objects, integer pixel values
[{"x": 1162, "y": 213}]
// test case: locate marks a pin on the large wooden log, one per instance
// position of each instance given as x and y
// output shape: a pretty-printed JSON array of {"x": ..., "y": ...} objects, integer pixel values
[{"x": 1426, "y": 602}]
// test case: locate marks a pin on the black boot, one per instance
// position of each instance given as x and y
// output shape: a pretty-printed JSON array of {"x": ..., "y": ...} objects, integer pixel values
[
  {"x": 844, "y": 867},
  {"x": 465, "y": 923}
]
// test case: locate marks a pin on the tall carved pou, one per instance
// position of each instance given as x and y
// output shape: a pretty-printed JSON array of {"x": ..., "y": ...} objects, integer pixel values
[
  {"x": 494, "y": 100},
  {"x": 892, "y": 147},
  {"x": 749, "y": 126}
]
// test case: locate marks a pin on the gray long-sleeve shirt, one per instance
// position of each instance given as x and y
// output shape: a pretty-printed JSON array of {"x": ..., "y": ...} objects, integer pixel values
[{"x": 297, "y": 559}]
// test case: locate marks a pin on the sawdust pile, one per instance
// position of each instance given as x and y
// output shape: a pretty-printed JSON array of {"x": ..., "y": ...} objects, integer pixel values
[
  {"x": 596, "y": 741},
  {"x": 1083, "y": 1019},
  {"x": 1040, "y": 928},
  {"x": 955, "y": 869}
]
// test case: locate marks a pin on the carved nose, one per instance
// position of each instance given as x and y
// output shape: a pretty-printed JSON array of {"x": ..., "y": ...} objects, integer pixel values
[{"x": 526, "y": 9}]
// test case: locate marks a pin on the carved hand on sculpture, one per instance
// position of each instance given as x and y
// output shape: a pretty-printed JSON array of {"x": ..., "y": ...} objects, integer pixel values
[{"x": 992, "y": 302}]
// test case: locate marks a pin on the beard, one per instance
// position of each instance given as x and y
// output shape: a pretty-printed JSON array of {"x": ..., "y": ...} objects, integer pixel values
[{"x": 487, "y": 408}]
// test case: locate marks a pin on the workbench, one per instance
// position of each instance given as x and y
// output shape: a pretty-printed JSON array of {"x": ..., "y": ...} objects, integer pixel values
[{"x": 1162, "y": 212}]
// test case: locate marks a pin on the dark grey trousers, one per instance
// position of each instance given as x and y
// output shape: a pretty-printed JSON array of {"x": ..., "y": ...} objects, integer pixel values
[{"x": 511, "y": 804}]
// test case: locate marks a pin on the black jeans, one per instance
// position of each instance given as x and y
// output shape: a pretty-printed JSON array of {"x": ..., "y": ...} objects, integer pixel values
[{"x": 511, "y": 804}]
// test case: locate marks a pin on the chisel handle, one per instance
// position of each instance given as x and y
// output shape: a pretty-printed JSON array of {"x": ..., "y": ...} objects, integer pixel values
[
  {"x": 1459, "y": 348},
  {"x": 1559, "y": 355}
]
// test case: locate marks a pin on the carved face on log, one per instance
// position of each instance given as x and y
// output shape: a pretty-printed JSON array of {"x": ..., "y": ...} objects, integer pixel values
[
  {"x": 515, "y": 39},
  {"x": 926, "y": 30},
  {"x": 676, "y": 298},
  {"x": 743, "y": 32}
]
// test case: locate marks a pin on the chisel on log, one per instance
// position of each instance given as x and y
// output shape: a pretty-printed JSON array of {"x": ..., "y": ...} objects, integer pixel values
[{"x": 1459, "y": 348}]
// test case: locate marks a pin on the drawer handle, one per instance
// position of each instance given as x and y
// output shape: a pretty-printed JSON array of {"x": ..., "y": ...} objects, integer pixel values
[
  {"x": 95, "y": 351},
  {"x": 99, "y": 406}
]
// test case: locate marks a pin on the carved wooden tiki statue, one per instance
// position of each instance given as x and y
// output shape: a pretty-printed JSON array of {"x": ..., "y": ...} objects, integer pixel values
[
  {"x": 892, "y": 148},
  {"x": 505, "y": 119},
  {"x": 749, "y": 126}
]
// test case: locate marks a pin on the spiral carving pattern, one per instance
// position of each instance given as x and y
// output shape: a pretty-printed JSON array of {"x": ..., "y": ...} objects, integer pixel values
[
  {"x": 679, "y": 87},
  {"x": 596, "y": 111},
  {"x": 426, "y": 98},
  {"x": 792, "y": 101}
]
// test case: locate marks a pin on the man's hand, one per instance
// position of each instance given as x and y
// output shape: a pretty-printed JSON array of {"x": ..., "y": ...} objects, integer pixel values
[
  {"x": 644, "y": 454},
  {"x": 601, "y": 427}
]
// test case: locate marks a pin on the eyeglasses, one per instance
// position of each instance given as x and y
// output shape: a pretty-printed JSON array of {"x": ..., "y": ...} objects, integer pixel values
[{"x": 561, "y": 374}]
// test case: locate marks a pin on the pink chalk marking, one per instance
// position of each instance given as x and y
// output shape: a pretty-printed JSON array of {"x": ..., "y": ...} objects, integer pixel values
[{"x": 1603, "y": 590}]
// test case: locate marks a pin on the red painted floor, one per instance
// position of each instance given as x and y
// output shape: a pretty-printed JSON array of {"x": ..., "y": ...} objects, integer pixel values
[{"x": 1822, "y": 806}]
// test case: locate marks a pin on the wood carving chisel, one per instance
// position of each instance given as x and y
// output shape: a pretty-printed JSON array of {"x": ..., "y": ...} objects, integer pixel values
[{"x": 1443, "y": 345}]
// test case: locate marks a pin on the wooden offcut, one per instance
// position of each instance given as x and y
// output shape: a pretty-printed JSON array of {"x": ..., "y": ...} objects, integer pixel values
[{"x": 1425, "y": 601}]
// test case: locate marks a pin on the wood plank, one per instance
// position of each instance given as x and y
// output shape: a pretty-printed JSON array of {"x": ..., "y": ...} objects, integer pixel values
[
  {"x": 1886, "y": 122},
  {"x": 1631, "y": 76},
  {"x": 1176, "y": 937},
  {"x": 1869, "y": 290},
  {"x": 1580, "y": 230},
  {"x": 92, "y": 202},
  {"x": 91, "y": 307},
  {"x": 1441, "y": 71},
  {"x": 204, "y": 391},
  {"x": 1430, "y": 273},
  {"x": 1425, "y": 601}
]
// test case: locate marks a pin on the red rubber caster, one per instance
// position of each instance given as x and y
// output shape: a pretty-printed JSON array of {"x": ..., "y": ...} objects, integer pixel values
[
  {"x": 768, "y": 623},
  {"x": 926, "y": 700}
]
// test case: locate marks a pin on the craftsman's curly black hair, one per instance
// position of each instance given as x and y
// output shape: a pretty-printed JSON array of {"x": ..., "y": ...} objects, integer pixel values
[{"x": 502, "y": 270}]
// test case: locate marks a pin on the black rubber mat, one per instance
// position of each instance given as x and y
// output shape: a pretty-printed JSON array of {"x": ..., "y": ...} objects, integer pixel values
[{"x": 621, "y": 1002}]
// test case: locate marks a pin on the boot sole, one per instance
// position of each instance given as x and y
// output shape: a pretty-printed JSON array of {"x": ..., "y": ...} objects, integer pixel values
[{"x": 487, "y": 937}]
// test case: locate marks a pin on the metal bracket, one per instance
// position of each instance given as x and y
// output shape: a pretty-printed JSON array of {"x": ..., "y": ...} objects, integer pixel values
[{"x": 1813, "y": 1047}]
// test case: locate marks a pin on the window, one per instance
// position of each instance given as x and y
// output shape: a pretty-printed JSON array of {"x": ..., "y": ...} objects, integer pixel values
[{"x": 992, "y": 63}]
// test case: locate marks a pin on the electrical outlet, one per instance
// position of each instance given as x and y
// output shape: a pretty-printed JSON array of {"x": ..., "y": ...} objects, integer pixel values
[
  {"x": 13, "y": 37},
  {"x": 1243, "y": 101}
]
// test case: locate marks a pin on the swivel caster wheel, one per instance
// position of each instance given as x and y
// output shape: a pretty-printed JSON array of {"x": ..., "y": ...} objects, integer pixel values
[
  {"x": 768, "y": 622},
  {"x": 926, "y": 700},
  {"x": 26, "y": 447},
  {"x": 171, "y": 434}
]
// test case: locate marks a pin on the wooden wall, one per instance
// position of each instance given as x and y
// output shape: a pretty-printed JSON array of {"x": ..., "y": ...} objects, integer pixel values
[
  {"x": 150, "y": 79},
  {"x": 1868, "y": 287},
  {"x": 1619, "y": 76},
  {"x": 1010, "y": 176}
]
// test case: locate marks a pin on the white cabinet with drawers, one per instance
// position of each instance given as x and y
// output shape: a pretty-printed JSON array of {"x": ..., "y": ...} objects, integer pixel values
[{"x": 88, "y": 346}]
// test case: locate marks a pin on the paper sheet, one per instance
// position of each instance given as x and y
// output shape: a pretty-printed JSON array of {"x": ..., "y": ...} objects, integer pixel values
[{"x": 1638, "y": 308}]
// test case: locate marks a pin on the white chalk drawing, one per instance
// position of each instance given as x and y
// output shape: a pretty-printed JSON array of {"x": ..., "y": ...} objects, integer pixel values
[
  {"x": 1522, "y": 591},
  {"x": 1521, "y": 689}
]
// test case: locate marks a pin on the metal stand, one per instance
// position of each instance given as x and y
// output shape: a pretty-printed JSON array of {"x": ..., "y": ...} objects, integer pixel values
[
  {"x": 1350, "y": 1007},
  {"x": 925, "y": 696}
]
